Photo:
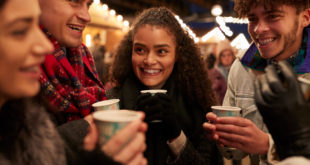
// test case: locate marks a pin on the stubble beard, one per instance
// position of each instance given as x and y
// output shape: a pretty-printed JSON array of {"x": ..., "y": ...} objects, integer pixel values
[{"x": 289, "y": 40}]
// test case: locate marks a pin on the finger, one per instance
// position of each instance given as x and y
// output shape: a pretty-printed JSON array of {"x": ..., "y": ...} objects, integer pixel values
[
  {"x": 267, "y": 92},
  {"x": 230, "y": 129},
  {"x": 288, "y": 73},
  {"x": 143, "y": 127},
  {"x": 121, "y": 137},
  {"x": 209, "y": 127},
  {"x": 91, "y": 138},
  {"x": 232, "y": 137},
  {"x": 211, "y": 116},
  {"x": 89, "y": 118},
  {"x": 136, "y": 146},
  {"x": 237, "y": 121},
  {"x": 211, "y": 133},
  {"x": 138, "y": 160},
  {"x": 146, "y": 100},
  {"x": 291, "y": 79},
  {"x": 228, "y": 143},
  {"x": 274, "y": 80},
  {"x": 163, "y": 97}
]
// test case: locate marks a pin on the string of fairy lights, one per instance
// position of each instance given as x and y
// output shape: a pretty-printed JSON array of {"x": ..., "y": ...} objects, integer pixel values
[{"x": 220, "y": 32}]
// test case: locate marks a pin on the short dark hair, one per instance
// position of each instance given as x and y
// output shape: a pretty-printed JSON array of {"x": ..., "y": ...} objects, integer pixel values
[{"x": 242, "y": 7}]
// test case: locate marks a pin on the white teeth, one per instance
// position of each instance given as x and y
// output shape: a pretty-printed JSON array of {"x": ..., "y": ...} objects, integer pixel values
[
  {"x": 265, "y": 41},
  {"x": 76, "y": 28},
  {"x": 151, "y": 71}
]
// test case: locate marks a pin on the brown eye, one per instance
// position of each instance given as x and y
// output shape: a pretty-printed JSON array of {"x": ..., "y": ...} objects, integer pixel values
[{"x": 139, "y": 50}]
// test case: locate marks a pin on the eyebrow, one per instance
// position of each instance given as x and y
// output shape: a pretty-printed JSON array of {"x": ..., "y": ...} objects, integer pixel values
[
  {"x": 24, "y": 19},
  {"x": 156, "y": 46},
  {"x": 268, "y": 12}
]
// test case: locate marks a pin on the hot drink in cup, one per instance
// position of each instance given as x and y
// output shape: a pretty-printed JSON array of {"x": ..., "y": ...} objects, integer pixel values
[
  {"x": 109, "y": 122},
  {"x": 153, "y": 92},
  {"x": 111, "y": 104},
  {"x": 221, "y": 111},
  {"x": 227, "y": 111}
]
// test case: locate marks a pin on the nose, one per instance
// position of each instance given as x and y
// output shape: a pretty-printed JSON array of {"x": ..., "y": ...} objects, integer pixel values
[
  {"x": 41, "y": 45},
  {"x": 261, "y": 27},
  {"x": 150, "y": 59},
  {"x": 83, "y": 13}
]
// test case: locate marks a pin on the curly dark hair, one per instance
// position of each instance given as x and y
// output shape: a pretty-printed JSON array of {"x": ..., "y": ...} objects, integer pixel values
[
  {"x": 243, "y": 6},
  {"x": 190, "y": 69}
]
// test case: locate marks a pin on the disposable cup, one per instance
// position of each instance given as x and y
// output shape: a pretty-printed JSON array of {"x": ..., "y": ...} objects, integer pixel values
[
  {"x": 224, "y": 111},
  {"x": 154, "y": 91},
  {"x": 221, "y": 111},
  {"x": 109, "y": 122},
  {"x": 111, "y": 104}
]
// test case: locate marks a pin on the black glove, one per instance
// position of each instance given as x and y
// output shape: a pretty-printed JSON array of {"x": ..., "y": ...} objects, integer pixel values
[
  {"x": 160, "y": 108},
  {"x": 286, "y": 113}
]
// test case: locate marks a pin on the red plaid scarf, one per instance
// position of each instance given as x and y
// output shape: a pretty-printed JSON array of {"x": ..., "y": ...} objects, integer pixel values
[{"x": 70, "y": 81}]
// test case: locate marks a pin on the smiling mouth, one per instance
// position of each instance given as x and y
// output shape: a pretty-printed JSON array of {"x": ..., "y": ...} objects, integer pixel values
[
  {"x": 151, "y": 71},
  {"x": 76, "y": 28},
  {"x": 266, "y": 41},
  {"x": 34, "y": 69}
]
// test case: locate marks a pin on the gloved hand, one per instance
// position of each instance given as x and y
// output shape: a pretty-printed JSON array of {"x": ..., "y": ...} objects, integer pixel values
[
  {"x": 286, "y": 113},
  {"x": 160, "y": 107}
]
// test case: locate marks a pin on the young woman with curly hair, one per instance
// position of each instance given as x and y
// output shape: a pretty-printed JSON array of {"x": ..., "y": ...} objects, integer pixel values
[{"x": 157, "y": 53}]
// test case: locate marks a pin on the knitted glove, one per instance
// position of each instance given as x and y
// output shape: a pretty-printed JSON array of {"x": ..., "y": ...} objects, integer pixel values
[
  {"x": 286, "y": 113},
  {"x": 160, "y": 108}
]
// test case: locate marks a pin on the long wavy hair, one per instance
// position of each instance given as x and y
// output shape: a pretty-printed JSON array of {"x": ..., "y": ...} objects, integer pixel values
[{"x": 190, "y": 69}]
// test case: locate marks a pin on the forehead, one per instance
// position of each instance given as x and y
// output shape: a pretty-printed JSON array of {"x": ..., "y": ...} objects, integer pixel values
[
  {"x": 150, "y": 32},
  {"x": 260, "y": 8},
  {"x": 15, "y": 9}
]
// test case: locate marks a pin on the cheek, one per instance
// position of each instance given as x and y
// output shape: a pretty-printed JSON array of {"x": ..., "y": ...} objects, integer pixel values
[
  {"x": 169, "y": 66},
  {"x": 136, "y": 61}
]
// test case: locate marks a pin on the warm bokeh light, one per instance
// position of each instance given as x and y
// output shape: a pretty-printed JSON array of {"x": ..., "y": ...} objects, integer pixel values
[{"x": 216, "y": 10}]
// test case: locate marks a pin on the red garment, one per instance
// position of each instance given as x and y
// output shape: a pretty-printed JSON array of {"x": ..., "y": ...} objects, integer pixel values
[{"x": 70, "y": 81}]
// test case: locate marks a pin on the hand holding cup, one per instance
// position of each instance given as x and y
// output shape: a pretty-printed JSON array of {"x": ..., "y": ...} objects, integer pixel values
[{"x": 122, "y": 135}]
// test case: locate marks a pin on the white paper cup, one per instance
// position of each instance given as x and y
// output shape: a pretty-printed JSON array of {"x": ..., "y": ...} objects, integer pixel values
[
  {"x": 229, "y": 111},
  {"x": 154, "y": 91},
  {"x": 110, "y": 121},
  {"x": 305, "y": 87},
  {"x": 111, "y": 104},
  {"x": 221, "y": 111}
]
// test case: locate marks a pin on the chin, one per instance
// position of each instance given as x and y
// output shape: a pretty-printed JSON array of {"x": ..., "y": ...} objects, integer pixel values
[{"x": 34, "y": 90}]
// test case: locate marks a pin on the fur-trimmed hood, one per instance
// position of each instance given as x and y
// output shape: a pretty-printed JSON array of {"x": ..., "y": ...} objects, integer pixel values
[{"x": 28, "y": 136}]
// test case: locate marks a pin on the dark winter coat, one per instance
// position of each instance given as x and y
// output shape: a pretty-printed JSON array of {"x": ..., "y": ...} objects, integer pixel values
[{"x": 198, "y": 150}]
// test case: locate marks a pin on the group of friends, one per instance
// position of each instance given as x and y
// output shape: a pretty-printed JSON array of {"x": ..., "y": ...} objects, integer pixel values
[{"x": 49, "y": 82}]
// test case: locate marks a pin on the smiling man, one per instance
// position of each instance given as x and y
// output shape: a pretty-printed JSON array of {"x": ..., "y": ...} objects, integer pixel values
[
  {"x": 69, "y": 79},
  {"x": 71, "y": 83},
  {"x": 280, "y": 31}
]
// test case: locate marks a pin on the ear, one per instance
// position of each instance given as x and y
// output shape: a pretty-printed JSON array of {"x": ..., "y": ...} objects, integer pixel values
[{"x": 305, "y": 17}]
